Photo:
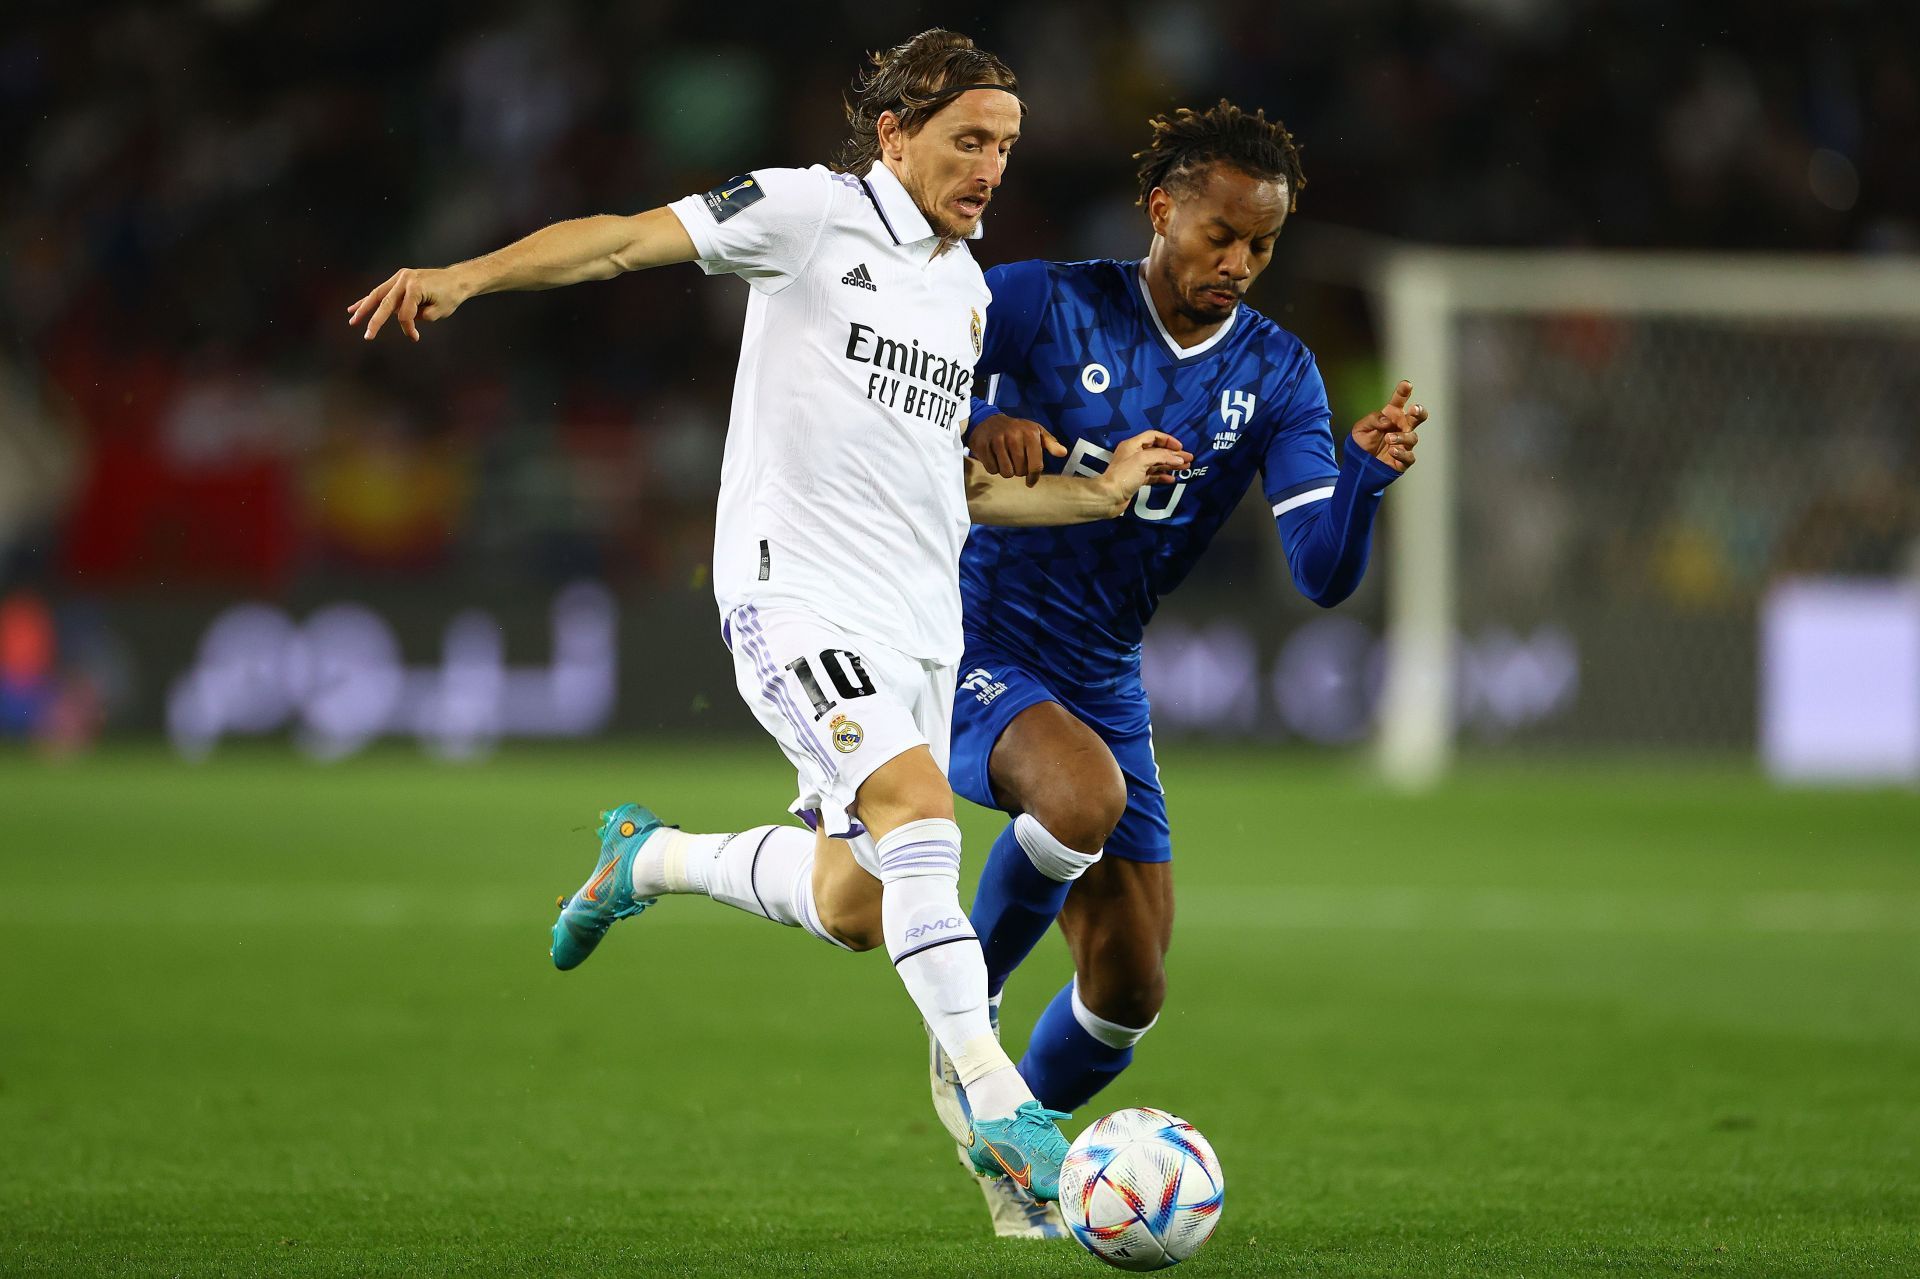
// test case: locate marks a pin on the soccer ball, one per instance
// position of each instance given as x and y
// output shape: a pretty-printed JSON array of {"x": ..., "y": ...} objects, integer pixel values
[{"x": 1141, "y": 1189}]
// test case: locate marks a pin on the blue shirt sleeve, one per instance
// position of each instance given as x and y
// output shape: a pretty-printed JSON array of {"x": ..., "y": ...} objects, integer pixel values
[
  {"x": 1022, "y": 292},
  {"x": 1324, "y": 513},
  {"x": 1299, "y": 457}
]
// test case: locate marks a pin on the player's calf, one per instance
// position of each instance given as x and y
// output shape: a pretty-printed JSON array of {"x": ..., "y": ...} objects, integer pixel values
[
  {"x": 1118, "y": 922},
  {"x": 847, "y": 896},
  {"x": 1122, "y": 978}
]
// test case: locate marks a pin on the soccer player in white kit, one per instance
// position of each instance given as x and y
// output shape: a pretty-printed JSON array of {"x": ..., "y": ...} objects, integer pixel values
[{"x": 845, "y": 496}]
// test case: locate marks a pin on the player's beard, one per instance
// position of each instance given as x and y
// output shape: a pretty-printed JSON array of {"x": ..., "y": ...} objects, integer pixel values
[
  {"x": 939, "y": 214},
  {"x": 945, "y": 228},
  {"x": 1197, "y": 311},
  {"x": 944, "y": 225}
]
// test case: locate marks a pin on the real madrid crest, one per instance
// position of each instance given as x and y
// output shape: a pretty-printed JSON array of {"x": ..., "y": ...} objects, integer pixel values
[
  {"x": 846, "y": 735},
  {"x": 976, "y": 333}
]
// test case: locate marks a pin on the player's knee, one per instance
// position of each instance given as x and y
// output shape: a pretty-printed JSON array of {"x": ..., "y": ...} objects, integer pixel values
[
  {"x": 909, "y": 788},
  {"x": 1107, "y": 802},
  {"x": 1081, "y": 805}
]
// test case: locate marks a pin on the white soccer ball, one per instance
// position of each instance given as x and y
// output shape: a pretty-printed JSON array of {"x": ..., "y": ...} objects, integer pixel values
[{"x": 1141, "y": 1189}]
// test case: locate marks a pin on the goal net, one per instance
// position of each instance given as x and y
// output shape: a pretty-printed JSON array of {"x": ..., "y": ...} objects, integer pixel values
[{"x": 1629, "y": 455}]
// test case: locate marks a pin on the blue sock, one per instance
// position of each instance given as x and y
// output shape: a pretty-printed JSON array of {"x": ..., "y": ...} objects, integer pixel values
[
  {"x": 1064, "y": 1065},
  {"x": 1012, "y": 908}
]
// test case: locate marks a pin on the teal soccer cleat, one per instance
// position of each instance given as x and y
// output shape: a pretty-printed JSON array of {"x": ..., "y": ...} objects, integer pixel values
[
  {"x": 1015, "y": 1213},
  {"x": 1027, "y": 1148},
  {"x": 608, "y": 895}
]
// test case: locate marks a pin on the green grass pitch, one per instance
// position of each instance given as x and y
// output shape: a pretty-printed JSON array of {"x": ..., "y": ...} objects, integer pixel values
[{"x": 261, "y": 1017}]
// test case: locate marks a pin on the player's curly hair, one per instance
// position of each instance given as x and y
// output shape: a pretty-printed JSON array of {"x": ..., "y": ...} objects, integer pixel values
[
  {"x": 1187, "y": 141},
  {"x": 914, "y": 81}
]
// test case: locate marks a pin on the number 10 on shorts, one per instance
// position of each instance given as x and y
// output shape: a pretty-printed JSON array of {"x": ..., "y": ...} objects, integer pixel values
[{"x": 844, "y": 670}]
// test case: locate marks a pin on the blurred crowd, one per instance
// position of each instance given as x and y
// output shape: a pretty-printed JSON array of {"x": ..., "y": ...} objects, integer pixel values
[{"x": 196, "y": 191}]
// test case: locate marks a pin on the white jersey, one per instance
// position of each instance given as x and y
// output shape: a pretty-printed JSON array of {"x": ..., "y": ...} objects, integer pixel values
[{"x": 843, "y": 489}]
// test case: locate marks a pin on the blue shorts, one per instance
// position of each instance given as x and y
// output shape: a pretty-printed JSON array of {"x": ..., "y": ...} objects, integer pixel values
[{"x": 994, "y": 688}]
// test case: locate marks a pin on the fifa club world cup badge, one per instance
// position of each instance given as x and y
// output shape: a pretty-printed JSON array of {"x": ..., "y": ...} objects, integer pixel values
[
  {"x": 846, "y": 735},
  {"x": 976, "y": 333},
  {"x": 737, "y": 193}
]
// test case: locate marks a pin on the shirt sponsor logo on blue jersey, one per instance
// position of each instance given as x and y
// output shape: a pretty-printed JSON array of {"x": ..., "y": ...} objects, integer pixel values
[
  {"x": 1236, "y": 412},
  {"x": 1096, "y": 378}
]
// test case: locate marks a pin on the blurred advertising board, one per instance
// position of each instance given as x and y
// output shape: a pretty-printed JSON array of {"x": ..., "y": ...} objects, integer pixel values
[{"x": 1840, "y": 681}]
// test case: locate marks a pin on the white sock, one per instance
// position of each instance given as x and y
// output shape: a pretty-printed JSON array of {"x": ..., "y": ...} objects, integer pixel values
[
  {"x": 766, "y": 871},
  {"x": 1110, "y": 1033},
  {"x": 938, "y": 957},
  {"x": 1049, "y": 856}
]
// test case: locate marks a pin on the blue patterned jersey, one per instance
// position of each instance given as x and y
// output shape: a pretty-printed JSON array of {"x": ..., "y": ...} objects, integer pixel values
[{"x": 1079, "y": 348}]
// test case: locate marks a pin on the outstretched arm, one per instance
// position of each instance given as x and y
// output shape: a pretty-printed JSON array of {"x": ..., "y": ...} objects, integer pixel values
[
  {"x": 595, "y": 248},
  {"x": 1327, "y": 542},
  {"x": 1151, "y": 457}
]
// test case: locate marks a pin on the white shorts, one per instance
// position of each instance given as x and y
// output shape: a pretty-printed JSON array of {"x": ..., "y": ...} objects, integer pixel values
[{"x": 839, "y": 705}]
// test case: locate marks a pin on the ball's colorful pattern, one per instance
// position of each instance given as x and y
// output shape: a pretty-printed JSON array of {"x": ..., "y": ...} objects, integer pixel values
[{"x": 1141, "y": 1189}]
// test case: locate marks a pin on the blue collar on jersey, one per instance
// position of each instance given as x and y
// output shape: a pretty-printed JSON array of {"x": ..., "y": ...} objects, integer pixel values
[
  {"x": 1153, "y": 314},
  {"x": 904, "y": 221}
]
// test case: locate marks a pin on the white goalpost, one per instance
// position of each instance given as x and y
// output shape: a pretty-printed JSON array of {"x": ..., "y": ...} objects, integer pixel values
[{"x": 1650, "y": 350}]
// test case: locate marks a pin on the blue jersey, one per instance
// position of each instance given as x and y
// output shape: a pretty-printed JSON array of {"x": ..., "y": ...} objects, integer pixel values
[{"x": 1079, "y": 348}]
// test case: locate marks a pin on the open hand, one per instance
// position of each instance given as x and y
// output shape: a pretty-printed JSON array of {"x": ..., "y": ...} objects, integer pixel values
[
  {"x": 1151, "y": 457},
  {"x": 1391, "y": 432},
  {"x": 410, "y": 297}
]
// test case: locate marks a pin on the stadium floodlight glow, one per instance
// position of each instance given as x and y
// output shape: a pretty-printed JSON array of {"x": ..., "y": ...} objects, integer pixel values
[
  {"x": 1467, "y": 327},
  {"x": 339, "y": 680}
]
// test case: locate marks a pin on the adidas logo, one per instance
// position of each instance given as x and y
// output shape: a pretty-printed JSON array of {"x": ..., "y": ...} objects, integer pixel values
[{"x": 859, "y": 279}]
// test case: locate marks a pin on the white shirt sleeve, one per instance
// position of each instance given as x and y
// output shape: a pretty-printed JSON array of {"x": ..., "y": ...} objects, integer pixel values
[{"x": 761, "y": 226}]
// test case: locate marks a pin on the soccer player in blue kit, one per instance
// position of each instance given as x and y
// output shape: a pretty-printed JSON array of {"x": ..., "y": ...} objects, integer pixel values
[{"x": 1051, "y": 722}]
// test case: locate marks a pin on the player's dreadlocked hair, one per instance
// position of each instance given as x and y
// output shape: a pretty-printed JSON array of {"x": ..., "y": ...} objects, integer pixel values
[
  {"x": 914, "y": 81},
  {"x": 1187, "y": 141}
]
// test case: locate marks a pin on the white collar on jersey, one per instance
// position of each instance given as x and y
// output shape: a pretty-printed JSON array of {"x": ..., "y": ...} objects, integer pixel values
[
  {"x": 1180, "y": 352},
  {"x": 905, "y": 223}
]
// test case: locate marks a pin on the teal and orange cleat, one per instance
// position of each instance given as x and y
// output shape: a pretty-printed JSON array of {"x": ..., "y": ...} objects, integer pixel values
[
  {"x": 1028, "y": 1148},
  {"x": 1015, "y": 1213},
  {"x": 608, "y": 895}
]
